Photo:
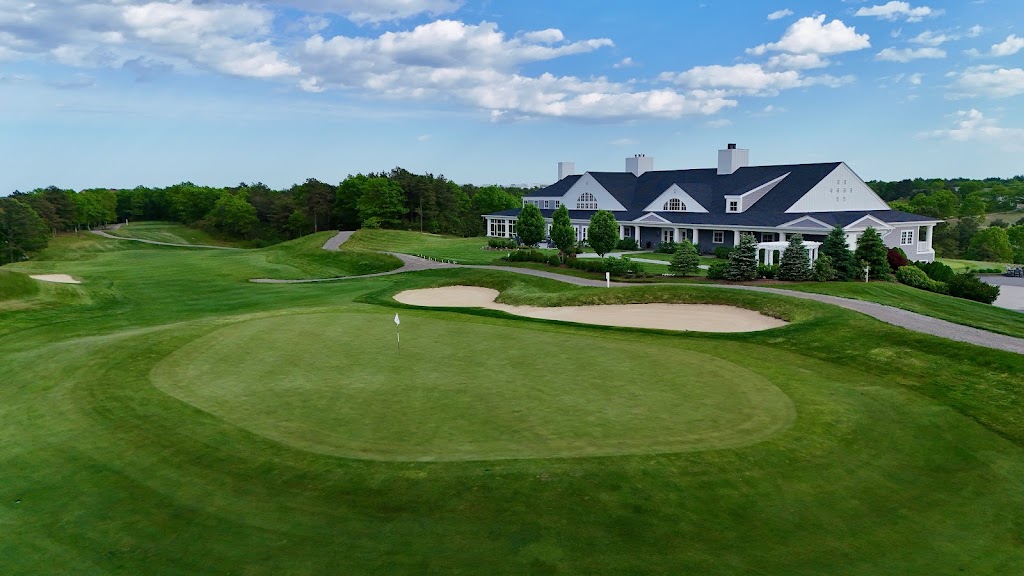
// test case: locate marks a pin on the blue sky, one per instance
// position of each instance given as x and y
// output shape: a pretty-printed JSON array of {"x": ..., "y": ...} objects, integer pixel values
[{"x": 120, "y": 93}]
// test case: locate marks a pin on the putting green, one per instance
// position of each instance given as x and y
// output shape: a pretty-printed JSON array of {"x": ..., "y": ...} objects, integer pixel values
[{"x": 466, "y": 390}]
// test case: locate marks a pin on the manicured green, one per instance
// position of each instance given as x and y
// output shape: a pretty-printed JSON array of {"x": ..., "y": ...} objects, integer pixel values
[
  {"x": 905, "y": 456},
  {"x": 461, "y": 250}
]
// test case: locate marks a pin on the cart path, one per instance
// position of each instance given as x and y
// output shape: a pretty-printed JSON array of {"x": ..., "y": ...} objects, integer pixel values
[
  {"x": 888, "y": 314},
  {"x": 116, "y": 226}
]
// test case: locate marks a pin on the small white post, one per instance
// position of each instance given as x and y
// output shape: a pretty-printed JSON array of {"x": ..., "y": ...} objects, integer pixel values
[
  {"x": 867, "y": 269},
  {"x": 608, "y": 279}
]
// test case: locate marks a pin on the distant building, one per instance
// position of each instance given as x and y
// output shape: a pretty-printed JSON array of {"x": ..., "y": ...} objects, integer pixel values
[{"x": 712, "y": 207}]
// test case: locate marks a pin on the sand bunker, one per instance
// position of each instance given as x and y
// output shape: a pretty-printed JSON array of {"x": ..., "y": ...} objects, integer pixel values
[
  {"x": 699, "y": 317},
  {"x": 58, "y": 278}
]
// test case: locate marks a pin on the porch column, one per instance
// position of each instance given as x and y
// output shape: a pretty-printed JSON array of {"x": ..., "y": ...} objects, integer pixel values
[
  {"x": 675, "y": 235},
  {"x": 622, "y": 232},
  {"x": 488, "y": 226},
  {"x": 931, "y": 227},
  {"x": 735, "y": 237},
  {"x": 693, "y": 231}
]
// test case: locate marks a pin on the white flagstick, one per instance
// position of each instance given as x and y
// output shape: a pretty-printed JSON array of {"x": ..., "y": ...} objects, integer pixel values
[{"x": 397, "y": 335}]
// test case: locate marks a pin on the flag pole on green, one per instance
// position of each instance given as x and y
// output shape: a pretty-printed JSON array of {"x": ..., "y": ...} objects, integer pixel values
[{"x": 397, "y": 335}]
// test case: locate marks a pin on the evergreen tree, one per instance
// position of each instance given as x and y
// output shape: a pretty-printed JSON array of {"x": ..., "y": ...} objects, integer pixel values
[
  {"x": 603, "y": 233},
  {"x": 836, "y": 248},
  {"x": 795, "y": 263},
  {"x": 562, "y": 232},
  {"x": 530, "y": 225},
  {"x": 686, "y": 262},
  {"x": 872, "y": 251},
  {"x": 21, "y": 230},
  {"x": 743, "y": 260}
]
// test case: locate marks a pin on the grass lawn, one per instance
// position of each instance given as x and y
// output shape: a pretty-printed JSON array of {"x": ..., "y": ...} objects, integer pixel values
[
  {"x": 460, "y": 250},
  {"x": 171, "y": 232},
  {"x": 166, "y": 416},
  {"x": 965, "y": 265}
]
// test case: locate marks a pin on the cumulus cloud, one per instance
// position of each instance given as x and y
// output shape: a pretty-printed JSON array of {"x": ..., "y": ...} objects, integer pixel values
[
  {"x": 897, "y": 10},
  {"x": 779, "y": 14},
  {"x": 990, "y": 81},
  {"x": 1008, "y": 47},
  {"x": 811, "y": 35},
  {"x": 972, "y": 125},
  {"x": 908, "y": 54},
  {"x": 478, "y": 65},
  {"x": 371, "y": 11},
  {"x": 747, "y": 79},
  {"x": 797, "y": 61},
  {"x": 929, "y": 38}
]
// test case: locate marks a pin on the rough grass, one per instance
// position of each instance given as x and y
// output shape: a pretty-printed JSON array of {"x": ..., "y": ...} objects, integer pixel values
[
  {"x": 971, "y": 265},
  {"x": 905, "y": 455},
  {"x": 171, "y": 232},
  {"x": 16, "y": 286},
  {"x": 461, "y": 250}
]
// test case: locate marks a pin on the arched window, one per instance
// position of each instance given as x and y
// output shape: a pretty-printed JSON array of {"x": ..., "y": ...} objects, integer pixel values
[
  {"x": 586, "y": 201},
  {"x": 674, "y": 205}
]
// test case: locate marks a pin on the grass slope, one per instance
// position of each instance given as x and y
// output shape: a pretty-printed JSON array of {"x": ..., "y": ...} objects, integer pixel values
[
  {"x": 171, "y": 232},
  {"x": 461, "y": 250},
  {"x": 905, "y": 455}
]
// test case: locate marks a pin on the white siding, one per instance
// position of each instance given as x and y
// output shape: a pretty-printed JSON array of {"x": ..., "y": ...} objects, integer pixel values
[
  {"x": 841, "y": 190},
  {"x": 587, "y": 183},
  {"x": 675, "y": 191}
]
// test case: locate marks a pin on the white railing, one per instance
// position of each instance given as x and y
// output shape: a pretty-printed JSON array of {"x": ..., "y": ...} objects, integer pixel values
[{"x": 924, "y": 247}]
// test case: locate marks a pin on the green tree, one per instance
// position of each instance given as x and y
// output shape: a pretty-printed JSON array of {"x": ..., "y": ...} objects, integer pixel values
[
  {"x": 603, "y": 232},
  {"x": 872, "y": 251},
  {"x": 836, "y": 248},
  {"x": 382, "y": 199},
  {"x": 530, "y": 225},
  {"x": 562, "y": 232},
  {"x": 1016, "y": 236},
  {"x": 795, "y": 263},
  {"x": 743, "y": 260},
  {"x": 233, "y": 215},
  {"x": 490, "y": 199},
  {"x": 685, "y": 262},
  {"x": 991, "y": 245},
  {"x": 21, "y": 230},
  {"x": 823, "y": 270}
]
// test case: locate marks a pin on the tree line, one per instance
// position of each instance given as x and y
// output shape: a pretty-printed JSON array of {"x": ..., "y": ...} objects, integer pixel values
[{"x": 256, "y": 213}]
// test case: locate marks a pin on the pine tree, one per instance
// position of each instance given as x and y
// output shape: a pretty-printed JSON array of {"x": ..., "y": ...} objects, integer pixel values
[
  {"x": 795, "y": 263},
  {"x": 836, "y": 248},
  {"x": 686, "y": 262},
  {"x": 872, "y": 251},
  {"x": 743, "y": 260}
]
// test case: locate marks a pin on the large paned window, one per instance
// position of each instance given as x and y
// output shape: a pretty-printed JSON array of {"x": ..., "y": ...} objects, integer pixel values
[
  {"x": 586, "y": 201},
  {"x": 718, "y": 236},
  {"x": 668, "y": 235},
  {"x": 498, "y": 228},
  {"x": 907, "y": 237},
  {"x": 674, "y": 205}
]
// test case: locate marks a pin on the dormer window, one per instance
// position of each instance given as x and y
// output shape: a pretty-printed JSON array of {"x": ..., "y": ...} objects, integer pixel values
[
  {"x": 734, "y": 206},
  {"x": 674, "y": 205},
  {"x": 586, "y": 201}
]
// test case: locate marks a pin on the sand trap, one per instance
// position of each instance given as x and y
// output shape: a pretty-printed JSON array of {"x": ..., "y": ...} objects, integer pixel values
[
  {"x": 699, "y": 317},
  {"x": 58, "y": 278}
]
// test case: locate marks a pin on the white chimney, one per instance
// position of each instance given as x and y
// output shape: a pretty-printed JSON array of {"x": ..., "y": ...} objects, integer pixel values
[
  {"x": 566, "y": 169},
  {"x": 639, "y": 164},
  {"x": 732, "y": 159}
]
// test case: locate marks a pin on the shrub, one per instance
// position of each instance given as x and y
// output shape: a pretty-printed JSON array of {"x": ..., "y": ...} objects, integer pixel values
[
  {"x": 502, "y": 243},
  {"x": 795, "y": 263},
  {"x": 872, "y": 251},
  {"x": 667, "y": 247},
  {"x": 823, "y": 270},
  {"x": 897, "y": 258},
  {"x": 625, "y": 268},
  {"x": 769, "y": 271},
  {"x": 371, "y": 223},
  {"x": 967, "y": 285},
  {"x": 723, "y": 252},
  {"x": 743, "y": 260},
  {"x": 716, "y": 271},
  {"x": 627, "y": 244},
  {"x": 936, "y": 270},
  {"x": 914, "y": 276},
  {"x": 686, "y": 262},
  {"x": 554, "y": 260}
]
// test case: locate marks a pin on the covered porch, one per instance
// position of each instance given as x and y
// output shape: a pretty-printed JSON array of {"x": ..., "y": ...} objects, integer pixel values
[{"x": 766, "y": 251}]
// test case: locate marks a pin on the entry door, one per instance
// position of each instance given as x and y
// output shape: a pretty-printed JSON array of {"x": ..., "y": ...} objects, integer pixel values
[{"x": 667, "y": 235}]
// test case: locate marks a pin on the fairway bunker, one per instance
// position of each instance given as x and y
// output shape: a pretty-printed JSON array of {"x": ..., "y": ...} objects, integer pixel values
[
  {"x": 56, "y": 278},
  {"x": 684, "y": 317}
]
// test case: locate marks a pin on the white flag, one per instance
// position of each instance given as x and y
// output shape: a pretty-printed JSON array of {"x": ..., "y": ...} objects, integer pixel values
[{"x": 397, "y": 321}]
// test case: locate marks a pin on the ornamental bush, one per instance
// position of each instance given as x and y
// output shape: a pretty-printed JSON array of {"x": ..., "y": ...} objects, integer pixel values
[
  {"x": 967, "y": 285},
  {"x": 627, "y": 244},
  {"x": 795, "y": 264},
  {"x": 767, "y": 271},
  {"x": 743, "y": 260},
  {"x": 872, "y": 251},
  {"x": 897, "y": 258},
  {"x": 915, "y": 277},
  {"x": 667, "y": 248},
  {"x": 716, "y": 271},
  {"x": 823, "y": 270},
  {"x": 936, "y": 270},
  {"x": 723, "y": 252},
  {"x": 686, "y": 262}
]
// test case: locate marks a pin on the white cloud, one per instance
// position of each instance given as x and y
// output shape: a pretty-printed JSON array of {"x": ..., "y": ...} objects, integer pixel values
[
  {"x": 779, "y": 14},
  {"x": 811, "y": 35},
  {"x": 478, "y": 65},
  {"x": 1008, "y": 47},
  {"x": 718, "y": 123},
  {"x": 371, "y": 11},
  {"x": 990, "y": 81},
  {"x": 974, "y": 31},
  {"x": 897, "y": 10},
  {"x": 915, "y": 79},
  {"x": 929, "y": 38},
  {"x": 908, "y": 54},
  {"x": 746, "y": 79},
  {"x": 797, "y": 61},
  {"x": 626, "y": 62},
  {"x": 971, "y": 125}
]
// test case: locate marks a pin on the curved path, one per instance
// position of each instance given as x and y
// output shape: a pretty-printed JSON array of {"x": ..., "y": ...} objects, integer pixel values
[{"x": 116, "y": 226}]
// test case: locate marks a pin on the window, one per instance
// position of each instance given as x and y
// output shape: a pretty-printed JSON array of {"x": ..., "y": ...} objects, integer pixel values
[
  {"x": 547, "y": 204},
  {"x": 674, "y": 205},
  {"x": 558, "y": 203},
  {"x": 511, "y": 228},
  {"x": 497, "y": 228},
  {"x": 581, "y": 233},
  {"x": 767, "y": 236},
  {"x": 718, "y": 237},
  {"x": 734, "y": 206},
  {"x": 586, "y": 201},
  {"x": 906, "y": 237}
]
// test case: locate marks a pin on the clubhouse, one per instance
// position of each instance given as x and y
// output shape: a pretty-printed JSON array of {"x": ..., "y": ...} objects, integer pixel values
[{"x": 712, "y": 207}]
